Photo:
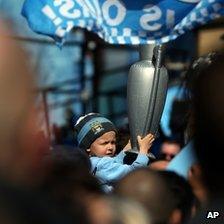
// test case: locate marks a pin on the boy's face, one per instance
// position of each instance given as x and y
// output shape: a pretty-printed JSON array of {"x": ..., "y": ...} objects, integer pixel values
[{"x": 105, "y": 145}]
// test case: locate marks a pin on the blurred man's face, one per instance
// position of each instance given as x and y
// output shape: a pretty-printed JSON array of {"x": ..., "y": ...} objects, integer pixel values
[{"x": 169, "y": 150}]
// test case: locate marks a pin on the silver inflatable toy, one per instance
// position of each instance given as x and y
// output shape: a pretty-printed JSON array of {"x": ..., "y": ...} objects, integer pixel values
[{"x": 146, "y": 93}]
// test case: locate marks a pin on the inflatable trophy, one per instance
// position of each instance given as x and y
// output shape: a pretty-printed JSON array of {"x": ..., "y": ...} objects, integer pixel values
[{"x": 146, "y": 93}]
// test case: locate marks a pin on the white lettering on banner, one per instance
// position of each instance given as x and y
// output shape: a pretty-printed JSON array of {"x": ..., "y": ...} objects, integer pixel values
[
  {"x": 121, "y": 12},
  {"x": 87, "y": 8},
  {"x": 65, "y": 9},
  {"x": 154, "y": 13},
  {"x": 113, "y": 12},
  {"x": 58, "y": 2},
  {"x": 99, "y": 11},
  {"x": 111, "y": 20},
  {"x": 60, "y": 31},
  {"x": 51, "y": 15}
]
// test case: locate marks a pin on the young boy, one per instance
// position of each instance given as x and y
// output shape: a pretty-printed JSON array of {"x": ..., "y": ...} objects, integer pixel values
[{"x": 97, "y": 135}]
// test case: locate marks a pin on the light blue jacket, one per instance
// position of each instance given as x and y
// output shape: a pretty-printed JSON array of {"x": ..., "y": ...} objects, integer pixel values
[{"x": 110, "y": 169}]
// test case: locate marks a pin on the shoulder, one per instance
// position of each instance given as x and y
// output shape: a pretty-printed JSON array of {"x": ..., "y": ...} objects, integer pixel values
[{"x": 101, "y": 160}]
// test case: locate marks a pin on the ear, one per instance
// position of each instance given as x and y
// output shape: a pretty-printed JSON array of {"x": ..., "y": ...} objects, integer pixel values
[
  {"x": 88, "y": 151},
  {"x": 176, "y": 217}
]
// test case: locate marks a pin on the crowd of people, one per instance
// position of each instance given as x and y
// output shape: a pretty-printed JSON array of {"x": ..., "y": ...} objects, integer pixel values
[{"x": 92, "y": 184}]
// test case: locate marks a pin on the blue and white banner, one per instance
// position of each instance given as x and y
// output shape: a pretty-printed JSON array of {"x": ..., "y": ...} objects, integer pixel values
[{"x": 121, "y": 21}]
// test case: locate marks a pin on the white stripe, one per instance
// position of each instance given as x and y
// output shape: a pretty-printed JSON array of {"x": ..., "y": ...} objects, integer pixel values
[
  {"x": 127, "y": 32},
  {"x": 120, "y": 40},
  {"x": 114, "y": 32},
  {"x": 135, "y": 40}
]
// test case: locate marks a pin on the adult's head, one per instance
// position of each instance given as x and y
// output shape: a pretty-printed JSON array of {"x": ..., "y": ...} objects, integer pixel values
[
  {"x": 169, "y": 149},
  {"x": 182, "y": 196},
  {"x": 159, "y": 165},
  {"x": 193, "y": 74},
  {"x": 15, "y": 88},
  {"x": 112, "y": 209},
  {"x": 19, "y": 153},
  {"x": 69, "y": 174},
  {"x": 208, "y": 110},
  {"x": 68, "y": 181},
  {"x": 148, "y": 188}
]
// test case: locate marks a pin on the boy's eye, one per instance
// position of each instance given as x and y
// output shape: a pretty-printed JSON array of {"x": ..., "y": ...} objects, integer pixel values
[{"x": 105, "y": 143}]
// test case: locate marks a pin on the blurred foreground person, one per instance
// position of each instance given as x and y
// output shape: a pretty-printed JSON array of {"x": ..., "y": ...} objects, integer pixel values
[
  {"x": 70, "y": 183},
  {"x": 159, "y": 165},
  {"x": 114, "y": 210},
  {"x": 156, "y": 194},
  {"x": 182, "y": 195},
  {"x": 20, "y": 147},
  {"x": 167, "y": 197},
  {"x": 195, "y": 179},
  {"x": 208, "y": 111},
  {"x": 20, "y": 153}
]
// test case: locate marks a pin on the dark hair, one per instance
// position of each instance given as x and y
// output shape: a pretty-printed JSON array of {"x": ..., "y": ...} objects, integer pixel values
[
  {"x": 181, "y": 191},
  {"x": 193, "y": 74},
  {"x": 196, "y": 70},
  {"x": 74, "y": 158},
  {"x": 69, "y": 176},
  {"x": 148, "y": 188},
  {"x": 208, "y": 105},
  {"x": 172, "y": 140}
]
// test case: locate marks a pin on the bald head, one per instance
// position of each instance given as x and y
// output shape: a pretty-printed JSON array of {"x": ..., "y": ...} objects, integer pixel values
[
  {"x": 15, "y": 86},
  {"x": 148, "y": 188},
  {"x": 18, "y": 143}
]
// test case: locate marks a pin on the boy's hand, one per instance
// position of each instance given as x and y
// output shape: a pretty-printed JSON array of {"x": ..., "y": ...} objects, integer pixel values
[
  {"x": 128, "y": 146},
  {"x": 145, "y": 143}
]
